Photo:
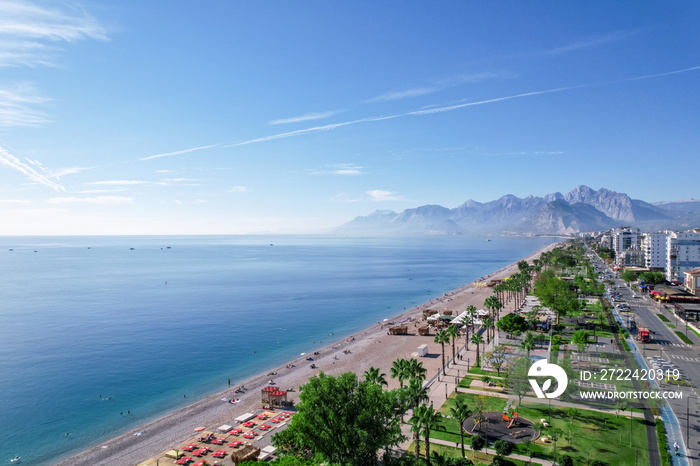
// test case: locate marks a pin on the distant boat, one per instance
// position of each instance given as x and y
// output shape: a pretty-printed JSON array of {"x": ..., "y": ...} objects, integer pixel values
[
  {"x": 488, "y": 240},
  {"x": 11, "y": 250},
  {"x": 131, "y": 249},
  {"x": 16, "y": 458},
  {"x": 167, "y": 247}
]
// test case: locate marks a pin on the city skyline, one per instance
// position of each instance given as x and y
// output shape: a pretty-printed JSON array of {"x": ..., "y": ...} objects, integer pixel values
[{"x": 242, "y": 118}]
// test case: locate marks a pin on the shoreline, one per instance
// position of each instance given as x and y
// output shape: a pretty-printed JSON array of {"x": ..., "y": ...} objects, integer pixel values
[{"x": 161, "y": 434}]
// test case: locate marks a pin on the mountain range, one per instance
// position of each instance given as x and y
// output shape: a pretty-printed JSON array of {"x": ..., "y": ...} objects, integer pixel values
[{"x": 580, "y": 210}]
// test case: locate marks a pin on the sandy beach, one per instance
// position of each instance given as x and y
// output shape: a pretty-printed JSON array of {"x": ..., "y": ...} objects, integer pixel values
[{"x": 356, "y": 353}]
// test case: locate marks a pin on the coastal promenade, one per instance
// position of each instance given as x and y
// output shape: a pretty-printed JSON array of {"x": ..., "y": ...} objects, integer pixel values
[{"x": 372, "y": 347}]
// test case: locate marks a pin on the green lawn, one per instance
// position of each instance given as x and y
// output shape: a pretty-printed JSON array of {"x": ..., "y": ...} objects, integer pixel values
[
  {"x": 595, "y": 435},
  {"x": 663, "y": 317}
]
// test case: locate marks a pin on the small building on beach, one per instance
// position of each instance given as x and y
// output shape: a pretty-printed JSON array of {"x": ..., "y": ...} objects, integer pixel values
[{"x": 273, "y": 396}]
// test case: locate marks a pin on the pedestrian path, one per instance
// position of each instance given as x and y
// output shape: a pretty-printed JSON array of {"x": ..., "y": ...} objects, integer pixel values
[{"x": 491, "y": 451}]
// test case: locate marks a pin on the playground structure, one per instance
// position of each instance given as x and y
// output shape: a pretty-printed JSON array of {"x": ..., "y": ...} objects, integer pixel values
[
  {"x": 512, "y": 420},
  {"x": 501, "y": 426}
]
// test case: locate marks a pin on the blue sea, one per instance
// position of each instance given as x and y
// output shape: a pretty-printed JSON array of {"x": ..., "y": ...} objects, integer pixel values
[{"x": 92, "y": 327}]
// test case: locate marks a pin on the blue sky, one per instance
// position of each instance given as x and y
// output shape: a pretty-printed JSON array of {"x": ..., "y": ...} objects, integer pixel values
[{"x": 181, "y": 117}]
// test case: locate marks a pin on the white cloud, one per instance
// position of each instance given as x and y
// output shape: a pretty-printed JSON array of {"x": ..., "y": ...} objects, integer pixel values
[
  {"x": 347, "y": 169},
  {"x": 120, "y": 182},
  {"x": 238, "y": 189},
  {"x": 437, "y": 86},
  {"x": 11, "y": 161},
  {"x": 305, "y": 117},
  {"x": 101, "y": 191},
  {"x": 105, "y": 200},
  {"x": 398, "y": 95},
  {"x": 13, "y": 202},
  {"x": 23, "y": 22},
  {"x": 28, "y": 37},
  {"x": 378, "y": 195},
  {"x": 16, "y": 107},
  {"x": 592, "y": 42},
  {"x": 67, "y": 171}
]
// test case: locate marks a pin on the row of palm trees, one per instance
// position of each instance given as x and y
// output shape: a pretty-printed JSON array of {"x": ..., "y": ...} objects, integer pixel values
[{"x": 425, "y": 419}]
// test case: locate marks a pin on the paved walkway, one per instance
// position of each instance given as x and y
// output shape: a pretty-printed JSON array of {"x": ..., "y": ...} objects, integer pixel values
[{"x": 491, "y": 451}]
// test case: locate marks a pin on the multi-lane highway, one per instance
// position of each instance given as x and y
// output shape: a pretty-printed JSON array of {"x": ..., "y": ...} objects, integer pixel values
[{"x": 642, "y": 311}]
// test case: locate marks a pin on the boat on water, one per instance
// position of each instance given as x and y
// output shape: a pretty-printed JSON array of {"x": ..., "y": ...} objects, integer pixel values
[{"x": 15, "y": 459}]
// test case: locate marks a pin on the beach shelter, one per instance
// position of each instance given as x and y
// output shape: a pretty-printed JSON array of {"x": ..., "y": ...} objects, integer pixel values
[
  {"x": 462, "y": 319},
  {"x": 225, "y": 428},
  {"x": 273, "y": 396},
  {"x": 246, "y": 453},
  {"x": 245, "y": 417}
]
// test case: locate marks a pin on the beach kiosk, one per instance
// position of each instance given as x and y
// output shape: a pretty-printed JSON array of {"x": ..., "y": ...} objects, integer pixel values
[
  {"x": 245, "y": 453},
  {"x": 423, "y": 350},
  {"x": 273, "y": 396}
]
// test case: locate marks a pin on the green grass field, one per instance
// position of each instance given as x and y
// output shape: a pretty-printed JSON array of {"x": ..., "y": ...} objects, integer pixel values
[{"x": 594, "y": 435}]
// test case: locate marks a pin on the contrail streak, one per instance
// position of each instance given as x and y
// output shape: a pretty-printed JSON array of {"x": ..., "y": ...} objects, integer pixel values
[
  {"x": 449, "y": 108},
  {"x": 13, "y": 162}
]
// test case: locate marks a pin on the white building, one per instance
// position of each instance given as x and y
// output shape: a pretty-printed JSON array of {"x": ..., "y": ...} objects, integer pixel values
[
  {"x": 623, "y": 239},
  {"x": 655, "y": 246},
  {"x": 683, "y": 249}
]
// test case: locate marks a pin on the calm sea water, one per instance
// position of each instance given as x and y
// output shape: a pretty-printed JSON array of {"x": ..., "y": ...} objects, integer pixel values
[{"x": 90, "y": 328}]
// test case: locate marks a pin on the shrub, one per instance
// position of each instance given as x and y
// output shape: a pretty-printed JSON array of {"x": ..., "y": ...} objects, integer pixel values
[
  {"x": 566, "y": 460},
  {"x": 555, "y": 347},
  {"x": 478, "y": 443},
  {"x": 503, "y": 448},
  {"x": 663, "y": 446}
]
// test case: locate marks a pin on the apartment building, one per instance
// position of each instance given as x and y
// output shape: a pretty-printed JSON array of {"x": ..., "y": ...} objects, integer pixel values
[
  {"x": 655, "y": 250},
  {"x": 683, "y": 252}
]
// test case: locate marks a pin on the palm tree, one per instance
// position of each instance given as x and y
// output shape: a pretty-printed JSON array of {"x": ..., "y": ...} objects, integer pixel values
[
  {"x": 461, "y": 412},
  {"x": 493, "y": 304},
  {"x": 442, "y": 337},
  {"x": 488, "y": 325},
  {"x": 476, "y": 339},
  {"x": 471, "y": 313},
  {"x": 415, "y": 369},
  {"x": 373, "y": 375},
  {"x": 528, "y": 343},
  {"x": 413, "y": 395},
  {"x": 399, "y": 370},
  {"x": 416, "y": 428},
  {"x": 415, "y": 392},
  {"x": 430, "y": 420},
  {"x": 453, "y": 332}
]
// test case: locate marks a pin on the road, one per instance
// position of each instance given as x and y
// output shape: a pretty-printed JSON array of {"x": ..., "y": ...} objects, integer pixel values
[{"x": 643, "y": 312}]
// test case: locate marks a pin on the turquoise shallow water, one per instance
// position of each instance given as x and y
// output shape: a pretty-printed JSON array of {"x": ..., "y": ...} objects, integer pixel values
[{"x": 89, "y": 328}]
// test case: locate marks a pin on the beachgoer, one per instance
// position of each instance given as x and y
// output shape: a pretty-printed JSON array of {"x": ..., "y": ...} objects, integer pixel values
[
  {"x": 675, "y": 447},
  {"x": 229, "y": 383}
]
